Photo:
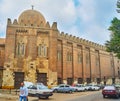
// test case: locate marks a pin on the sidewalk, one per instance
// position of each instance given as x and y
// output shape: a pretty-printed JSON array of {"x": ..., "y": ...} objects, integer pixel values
[
  {"x": 12, "y": 95},
  {"x": 8, "y": 97}
]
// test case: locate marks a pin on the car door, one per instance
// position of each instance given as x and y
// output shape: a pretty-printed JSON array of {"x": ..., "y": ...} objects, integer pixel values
[
  {"x": 32, "y": 89},
  {"x": 61, "y": 88},
  {"x": 67, "y": 88}
]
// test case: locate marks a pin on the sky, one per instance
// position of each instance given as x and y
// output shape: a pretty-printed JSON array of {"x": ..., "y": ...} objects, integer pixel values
[{"x": 87, "y": 19}]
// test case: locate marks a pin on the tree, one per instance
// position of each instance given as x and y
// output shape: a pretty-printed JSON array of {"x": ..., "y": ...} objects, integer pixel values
[
  {"x": 114, "y": 44},
  {"x": 118, "y": 6}
]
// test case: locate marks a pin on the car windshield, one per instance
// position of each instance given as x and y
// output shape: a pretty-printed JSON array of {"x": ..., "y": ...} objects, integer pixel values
[
  {"x": 109, "y": 88},
  {"x": 42, "y": 87},
  {"x": 32, "y": 87}
]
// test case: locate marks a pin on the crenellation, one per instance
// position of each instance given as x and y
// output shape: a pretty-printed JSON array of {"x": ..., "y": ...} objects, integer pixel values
[
  {"x": 74, "y": 38},
  {"x": 70, "y": 37},
  {"x": 66, "y": 35},
  {"x": 80, "y": 39},
  {"x": 77, "y": 39},
  {"x": 87, "y": 42},
  {"x": 90, "y": 43},
  {"x": 94, "y": 44}
]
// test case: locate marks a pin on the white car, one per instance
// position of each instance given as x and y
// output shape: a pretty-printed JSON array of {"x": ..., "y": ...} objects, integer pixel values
[
  {"x": 92, "y": 87},
  {"x": 39, "y": 90},
  {"x": 79, "y": 87},
  {"x": 27, "y": 84}
]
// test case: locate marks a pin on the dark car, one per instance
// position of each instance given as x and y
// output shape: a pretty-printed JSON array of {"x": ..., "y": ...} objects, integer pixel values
[{"x": 110, "y": 91}]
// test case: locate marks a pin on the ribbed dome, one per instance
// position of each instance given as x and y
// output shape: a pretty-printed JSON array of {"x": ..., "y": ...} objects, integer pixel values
[{"x": 31, "y": 17}]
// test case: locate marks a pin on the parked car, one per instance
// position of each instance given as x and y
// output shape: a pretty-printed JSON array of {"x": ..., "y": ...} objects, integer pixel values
[
  {"x": 92, "y": 87},
  {"x": 79, "y": 87},
  {"x": 56, "y": 87},
  {"x": 63, "y": 88},
  {"x": 117, "y": 85},
  {"x": 39, "y": 90},
  {"x": 110, "y": 91},
  {"x": 101, "y": 86},
  {"x": 27, "y": 84}
]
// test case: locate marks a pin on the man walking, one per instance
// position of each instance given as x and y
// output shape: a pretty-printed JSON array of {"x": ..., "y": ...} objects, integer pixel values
[{"x": 23, "y": 93}]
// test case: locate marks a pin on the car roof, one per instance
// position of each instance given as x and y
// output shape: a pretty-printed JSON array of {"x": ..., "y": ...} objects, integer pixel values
[
  {"x": 27, "y": 84},
  {"x": 109, "y": 88}
]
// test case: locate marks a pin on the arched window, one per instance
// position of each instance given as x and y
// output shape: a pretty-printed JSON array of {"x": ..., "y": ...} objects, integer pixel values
[
  {"x": 42, "y": 50},
  {"x": 20, "y": 49},
  {"x": 69, "y": 56},
  {"x": 87, "y": 58},
  {"x": 59, "y": 55},
  {"x": 79, "y": 58}
]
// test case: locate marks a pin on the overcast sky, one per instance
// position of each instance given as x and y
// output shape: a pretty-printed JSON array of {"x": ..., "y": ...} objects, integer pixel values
[{"x": 87, "y": 19}]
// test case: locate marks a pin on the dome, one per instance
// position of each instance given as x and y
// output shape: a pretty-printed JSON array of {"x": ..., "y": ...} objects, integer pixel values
[{"x": 31, "y": 17}]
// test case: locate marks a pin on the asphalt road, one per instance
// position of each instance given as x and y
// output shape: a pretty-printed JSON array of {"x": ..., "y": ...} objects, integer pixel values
[
  {"x": 77, "y": 96},
  {"x": 94, "y": 97}
]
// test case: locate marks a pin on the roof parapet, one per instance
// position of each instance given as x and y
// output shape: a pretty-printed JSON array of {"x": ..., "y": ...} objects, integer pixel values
[{"x": 81, "y": 40}]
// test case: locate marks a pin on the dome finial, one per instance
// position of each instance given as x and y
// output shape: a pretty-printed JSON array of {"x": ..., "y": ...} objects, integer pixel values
[{"x": 32, "y": 7}]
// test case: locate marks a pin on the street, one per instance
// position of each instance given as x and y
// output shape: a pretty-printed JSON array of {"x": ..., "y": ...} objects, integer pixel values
[
  {"x": 76, "y": 96},
  {"x": 79, "y": 96},
  {"x": 93, "y": 97}
]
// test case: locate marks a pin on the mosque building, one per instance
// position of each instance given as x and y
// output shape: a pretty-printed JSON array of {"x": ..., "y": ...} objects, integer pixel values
[{"x": 36, "y": 51}]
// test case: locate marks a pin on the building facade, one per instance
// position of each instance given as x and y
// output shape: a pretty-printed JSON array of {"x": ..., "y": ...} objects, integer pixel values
[{"x": 37, "y": 52}]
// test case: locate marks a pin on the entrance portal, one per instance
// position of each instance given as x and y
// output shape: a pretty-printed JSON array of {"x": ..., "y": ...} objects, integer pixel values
[
  {"x": 19, "y": 77},
  {"x": 42, "y": 78}
]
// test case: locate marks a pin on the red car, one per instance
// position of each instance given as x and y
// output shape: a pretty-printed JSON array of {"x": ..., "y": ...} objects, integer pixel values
[{"x": 110, "y": 91}]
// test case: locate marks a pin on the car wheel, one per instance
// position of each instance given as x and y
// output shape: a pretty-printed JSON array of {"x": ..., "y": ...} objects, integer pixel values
[
  {"x": 47, "y": 97},
  {"x": 39, "y": 97},
  {"x": 117, "y": 96},
  {"x": 55, "y": 90},
  {"x": 70, "y": 91},
  {"x": 76, "y": 90},
  {"x": 103, "y": 96}
]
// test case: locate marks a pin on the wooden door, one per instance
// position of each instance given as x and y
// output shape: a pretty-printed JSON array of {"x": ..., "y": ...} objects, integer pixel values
[
  {"x": 59, "y": 81},
  {"x": 1, "y": 77},
  {"x": 80, "y": 80},
  {"x": 70, "y": 81},
  {"x": 19, "y": 77}
]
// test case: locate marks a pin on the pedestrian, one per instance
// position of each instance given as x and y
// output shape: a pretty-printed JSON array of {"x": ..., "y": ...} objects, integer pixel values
[{"x": 23, "y": 92}]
